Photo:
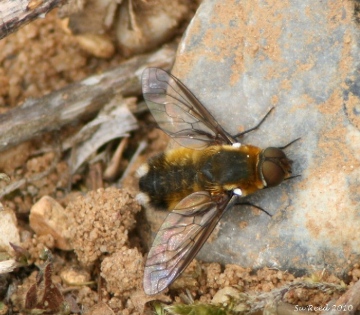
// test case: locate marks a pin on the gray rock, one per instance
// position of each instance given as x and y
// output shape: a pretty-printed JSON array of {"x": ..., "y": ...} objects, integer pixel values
[{"x": 240, "y": 58}]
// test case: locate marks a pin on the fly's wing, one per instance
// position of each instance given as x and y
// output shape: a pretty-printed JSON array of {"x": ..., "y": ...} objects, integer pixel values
[
  {"x": 179, "y": 113},
  {"x": 181, "y": 236}
]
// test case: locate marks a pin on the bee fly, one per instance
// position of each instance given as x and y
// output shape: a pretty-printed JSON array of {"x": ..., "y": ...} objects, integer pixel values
[{"x": 199, "y": 181}]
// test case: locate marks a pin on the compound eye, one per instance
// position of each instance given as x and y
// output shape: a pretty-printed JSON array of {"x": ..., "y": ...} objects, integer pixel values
[
  {"x": 272, "y": 166},
  {"x": 274, "y": 153},
  {"x": 273, "y": 174}
]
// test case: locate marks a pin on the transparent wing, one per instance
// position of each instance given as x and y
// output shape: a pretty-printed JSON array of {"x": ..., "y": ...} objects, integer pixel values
[
  {"x": 181, "y": 236},
  {"x": 179, "y": 113}
]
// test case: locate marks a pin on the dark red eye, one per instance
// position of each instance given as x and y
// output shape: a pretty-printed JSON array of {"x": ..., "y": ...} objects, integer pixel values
[
  {"x": 274, "y": 166},
  {"x": 272, "y": 173},
  {"x": 273, "y": 153}
]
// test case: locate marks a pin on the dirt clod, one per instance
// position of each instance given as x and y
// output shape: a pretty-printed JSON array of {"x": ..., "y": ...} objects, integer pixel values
[{"x": 101, "y": 221}]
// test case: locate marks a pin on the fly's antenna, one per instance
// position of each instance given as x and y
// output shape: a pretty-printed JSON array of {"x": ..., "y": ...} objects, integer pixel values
[
  {"x": 292, "y": 177},
  {"x": 284, "y": 147},
  {"x": 289, "y": 144}
]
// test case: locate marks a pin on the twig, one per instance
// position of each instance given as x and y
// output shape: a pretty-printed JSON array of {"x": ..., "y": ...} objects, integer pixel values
[
  {"x": 78, "y": 100},
  {"x": 141, "y": 147},
  {"x": 346, "y": 304},
  {"x": 17, "y": 13},
  {"x": 114, "y": 163}
]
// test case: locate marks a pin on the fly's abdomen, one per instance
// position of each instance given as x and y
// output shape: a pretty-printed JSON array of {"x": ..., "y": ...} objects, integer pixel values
[{"x": 166, "y": 181}]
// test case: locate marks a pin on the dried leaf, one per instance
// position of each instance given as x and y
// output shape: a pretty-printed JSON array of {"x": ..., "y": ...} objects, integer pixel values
[
  {"x": 44, "y": 297},
  {"x": 114, "y": 121}
]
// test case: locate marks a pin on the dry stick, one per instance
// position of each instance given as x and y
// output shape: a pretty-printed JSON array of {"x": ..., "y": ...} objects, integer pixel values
[
  {"x": 348, "y": 303},
  {"x": 78, "y": 100},
  {"x": 140, "y": 148},
  {"x": 16, "y": 13},
  {"x": 114, "y": 164}
]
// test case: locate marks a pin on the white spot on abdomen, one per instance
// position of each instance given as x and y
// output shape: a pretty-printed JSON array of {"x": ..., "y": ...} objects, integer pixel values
[
  {"x": 142, "y": 170},
  {"x": 237, "y": 191},
  {"x": 142, "y": 198}
]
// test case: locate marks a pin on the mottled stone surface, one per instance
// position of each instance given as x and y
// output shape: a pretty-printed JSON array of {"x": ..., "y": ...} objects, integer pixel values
[
  {"x": 240, "y": 58},
  {"x": 47, "y": 216},
  {"x": 8, "y": 230}
]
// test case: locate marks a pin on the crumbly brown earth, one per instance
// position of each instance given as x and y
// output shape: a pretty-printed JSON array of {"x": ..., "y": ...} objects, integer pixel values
[{"x": 103, "y": 273}]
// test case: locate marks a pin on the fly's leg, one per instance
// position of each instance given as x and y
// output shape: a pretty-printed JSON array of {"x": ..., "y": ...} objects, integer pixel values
[
  {"x": 252, "y": 205},
  {"x": 255, "y": 127}
]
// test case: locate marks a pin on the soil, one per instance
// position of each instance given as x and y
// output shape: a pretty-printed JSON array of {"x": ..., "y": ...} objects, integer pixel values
[{"x": 102, "y": 273}]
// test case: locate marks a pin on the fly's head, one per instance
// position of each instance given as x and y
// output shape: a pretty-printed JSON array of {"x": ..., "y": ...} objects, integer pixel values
[{"x": 274, "y": 166}]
